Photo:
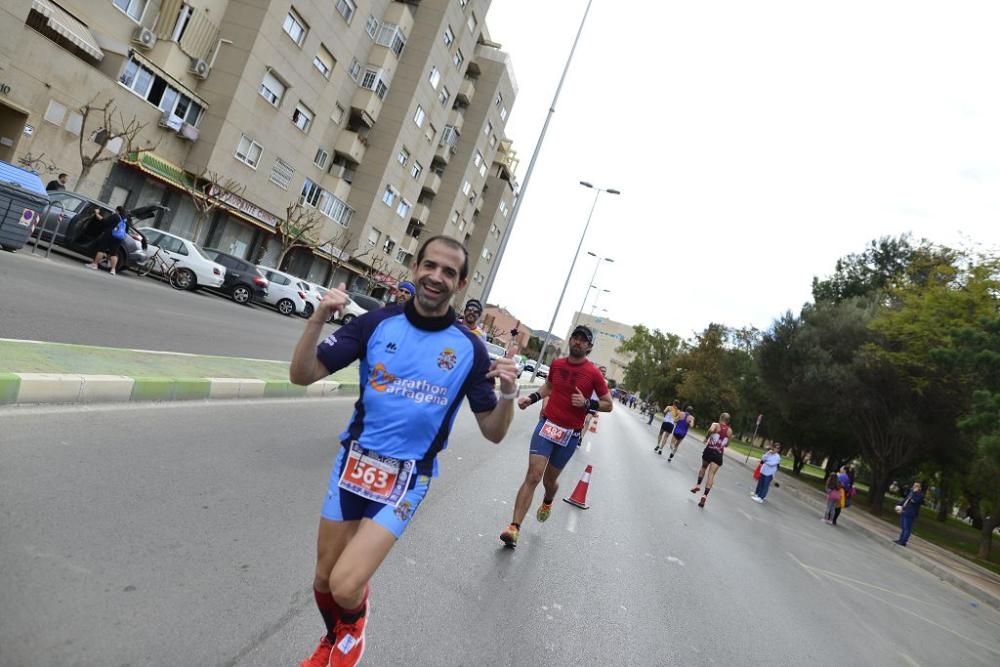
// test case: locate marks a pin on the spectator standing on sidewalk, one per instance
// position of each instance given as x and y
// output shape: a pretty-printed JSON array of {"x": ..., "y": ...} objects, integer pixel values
[
  {"x": 833, "y": 493},
  {"x": 847, "y": 486},
  {"x": 768, "y": 467},
  {"x": 58, "y": 184},
  {"x": 908, "y": 513},
  {"x": 112, "y": 234}
]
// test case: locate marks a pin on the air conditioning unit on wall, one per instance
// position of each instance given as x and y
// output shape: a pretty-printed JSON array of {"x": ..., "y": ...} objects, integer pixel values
[
  {"x": 171, "y": 121},
  {"x": 144, "y": 38},
  {"x": 200, "y": 68}
]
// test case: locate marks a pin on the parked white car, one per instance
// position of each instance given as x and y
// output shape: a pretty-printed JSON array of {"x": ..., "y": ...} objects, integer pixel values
[
  {"x": 313, "y": 297},
  {"x": 194, "y": 267},
  {"x": 285, "y": 292}
]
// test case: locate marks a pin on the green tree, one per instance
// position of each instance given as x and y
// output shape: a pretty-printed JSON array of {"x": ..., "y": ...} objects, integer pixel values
[
  {"x": 652, "y": 371},
  {"x": 875, "y": 269}
]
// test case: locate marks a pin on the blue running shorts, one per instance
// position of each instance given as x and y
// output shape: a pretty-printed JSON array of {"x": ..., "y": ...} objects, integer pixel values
[
  {"x": 557, "y": 455},
  {"x": 342, "y": 505}
]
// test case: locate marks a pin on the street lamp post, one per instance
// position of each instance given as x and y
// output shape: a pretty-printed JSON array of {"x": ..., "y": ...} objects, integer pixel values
[
  {"x": 592, "y": 279},
  {"x": 548, "y": 332},
  {"x": 488, "y": 287},
  {"x": 597, "y": 298}
]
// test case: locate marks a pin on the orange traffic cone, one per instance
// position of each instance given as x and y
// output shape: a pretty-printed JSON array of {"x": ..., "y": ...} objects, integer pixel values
[{"x": 579, "y": 497}]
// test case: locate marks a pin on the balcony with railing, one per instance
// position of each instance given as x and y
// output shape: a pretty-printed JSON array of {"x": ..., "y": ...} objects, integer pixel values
[
  {"x": 466, "y": 91},
  {"x": 351, "y": 146},
  {"x": 420, "y": 213},
  {"x": 432, "y": 183}
]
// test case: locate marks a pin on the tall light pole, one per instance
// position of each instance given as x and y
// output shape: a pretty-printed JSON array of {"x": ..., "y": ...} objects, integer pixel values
[
  {"x": 592, "y": 279},
  {"x": 597, "y": 298},
  {"x": 531, "y": 164},
  {"x": 548, "y": 332}
]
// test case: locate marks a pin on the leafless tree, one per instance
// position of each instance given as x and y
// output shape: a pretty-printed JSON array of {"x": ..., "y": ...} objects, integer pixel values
[
  {"x": 299, "y": 229},
  {"x": 209, "y": 191},
  {"x": 114, "y": 137},
  {"x": 38, "y": 164}
]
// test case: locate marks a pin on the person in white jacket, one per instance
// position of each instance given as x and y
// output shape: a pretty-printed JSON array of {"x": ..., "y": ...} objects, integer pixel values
[{"x": 768, "y": 466}]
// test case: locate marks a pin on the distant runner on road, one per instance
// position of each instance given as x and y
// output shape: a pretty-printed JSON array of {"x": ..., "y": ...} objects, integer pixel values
[
  {"x": 670, "y": 414},
  {"x": 716, "y": 441},
  {"x": 683, "y": 422},
  {"x": 571, "y": 379},
  {"x": 417, "y": 364}
]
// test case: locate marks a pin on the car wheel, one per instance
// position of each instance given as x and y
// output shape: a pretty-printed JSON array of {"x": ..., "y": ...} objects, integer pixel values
[
  {"x": 347, "y": 319},
  {"x": 183, "y": 279},
  {"x": 308, "y": 310},
  {"x": 286, "y": 307},
  {"x": 242, "y": 294}
]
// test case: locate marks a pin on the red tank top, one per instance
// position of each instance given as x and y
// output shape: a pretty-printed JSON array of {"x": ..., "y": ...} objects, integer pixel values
[{"x": 719, "y": 440}]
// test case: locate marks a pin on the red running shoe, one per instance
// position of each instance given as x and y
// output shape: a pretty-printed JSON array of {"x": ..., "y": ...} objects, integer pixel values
[
  {"x": 321, "y": 658},
  {"x": 350, "y": 644}
]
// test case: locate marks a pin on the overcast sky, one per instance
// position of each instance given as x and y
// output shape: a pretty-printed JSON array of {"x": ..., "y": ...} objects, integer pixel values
[{"x": 754, "y": 143}]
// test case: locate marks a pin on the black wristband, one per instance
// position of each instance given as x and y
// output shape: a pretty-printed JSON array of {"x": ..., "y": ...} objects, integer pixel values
[
  {"x": 595, "y": 405},
  {"x": 535, "y": 397}
]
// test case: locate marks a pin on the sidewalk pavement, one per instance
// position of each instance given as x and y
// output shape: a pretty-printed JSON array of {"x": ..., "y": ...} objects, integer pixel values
[
  {"x": 944, "y": 564},
  {"x": 37, "y": 372}
]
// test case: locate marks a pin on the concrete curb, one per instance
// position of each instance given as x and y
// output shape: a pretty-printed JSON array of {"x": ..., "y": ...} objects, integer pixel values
[
  {"x": 62, "y": 388},
  {"x": 814, "y": 498}
]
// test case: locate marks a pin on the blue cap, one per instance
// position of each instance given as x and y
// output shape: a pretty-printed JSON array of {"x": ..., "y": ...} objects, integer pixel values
[{"x": 409, "y": 287}]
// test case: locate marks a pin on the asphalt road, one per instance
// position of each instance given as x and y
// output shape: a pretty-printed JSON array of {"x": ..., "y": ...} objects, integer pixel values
[
  {"x": 185, "y": 535},
  {"x": 58, "y": 300}
]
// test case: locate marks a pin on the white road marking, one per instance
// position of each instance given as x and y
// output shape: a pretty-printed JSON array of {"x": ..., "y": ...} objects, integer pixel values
[
  {"x": 571, "y": 522},
  {"x": 587, "y": 448},
  {"x": 804, "y": 566},
  {"x": 909, "y": 660},
  {"x": 745, "y": 514},
  {"x": 674, "y": 559}
]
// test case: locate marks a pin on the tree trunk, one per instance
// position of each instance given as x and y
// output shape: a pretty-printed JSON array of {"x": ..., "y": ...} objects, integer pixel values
[
  {"x": 975, "y": 513},
  {"x": 798, "y": 460},
  {"x": 944, "y": 498},
  {"x": 986, "y": 535},
  {"x": 876, "y": 492}
]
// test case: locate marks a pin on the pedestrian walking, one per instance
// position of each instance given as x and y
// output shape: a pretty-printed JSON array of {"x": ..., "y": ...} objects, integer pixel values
[
  {"x": 833, "y": 495},
  {"x": 652, "y": 409},
  {"x": 847, "y": 486},
  {"x": 908, "y": 512},
  {"x": 58, "y": 184},
  {"x": 417, "y": 364},
  {"x": 769, "y": 463},
  {"x": 113, "y": 230}
]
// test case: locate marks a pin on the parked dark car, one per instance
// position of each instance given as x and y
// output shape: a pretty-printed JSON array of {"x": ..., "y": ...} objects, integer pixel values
[
  {"x": 365, "y": 301},
  {"x": 79, "y": 231},
  {"x": 244, "y": 283}
]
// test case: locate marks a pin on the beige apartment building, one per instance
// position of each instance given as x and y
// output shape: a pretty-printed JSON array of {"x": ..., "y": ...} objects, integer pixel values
[
  {"x": 386, "y": 119},
  {"x": 608, "y": 335}
]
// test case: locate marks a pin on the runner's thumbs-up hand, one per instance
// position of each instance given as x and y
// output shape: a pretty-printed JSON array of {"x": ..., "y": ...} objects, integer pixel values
[
  {"x": 578, "y": 399},
  {"x": 333, "y": 302}
]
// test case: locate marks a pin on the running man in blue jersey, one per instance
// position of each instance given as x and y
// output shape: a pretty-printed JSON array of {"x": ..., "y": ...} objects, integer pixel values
[
  {"x": 416, "y": 365},
  {"x": 685, "y": 420}
]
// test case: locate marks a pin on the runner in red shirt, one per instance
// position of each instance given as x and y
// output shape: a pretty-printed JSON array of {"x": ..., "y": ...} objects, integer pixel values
[
  {"x": 716, "y": 441},
  {"x": 570, "y": 381}
]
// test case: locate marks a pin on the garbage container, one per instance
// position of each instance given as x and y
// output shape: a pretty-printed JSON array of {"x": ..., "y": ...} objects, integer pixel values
[{"x": 22, "y": 199}]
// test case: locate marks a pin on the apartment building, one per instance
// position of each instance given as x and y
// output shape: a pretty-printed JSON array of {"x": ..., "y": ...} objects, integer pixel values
[{"x": 379, "y": 118}]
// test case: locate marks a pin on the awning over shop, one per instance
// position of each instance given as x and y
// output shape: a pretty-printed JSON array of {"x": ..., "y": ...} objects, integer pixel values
[
  {"x": 68, "y": 26},
  {"x": 154, "y": 166}
]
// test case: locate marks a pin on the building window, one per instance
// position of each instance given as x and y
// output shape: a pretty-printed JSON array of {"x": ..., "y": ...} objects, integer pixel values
[
  {"x": 487, "y": 254},
  {"x": 493, "y": 141},
  {"x": 403, "y": 257},
  {"x": 374, "y": 79},
  {"x": 55, "y": 113},
  {"x": 74, "y": 124},
  {"x": 419, "y": 116},
  {"x": 281, "y": 173},
  {"x": 249, "y": 151},
  {"x": 458, "y": 58},
  {"x": 373, "y": 236},
  {"x": 403, "y": 210},
  {"x": 347, "y": 9},
  {"x": 295, "y": 27},
  {"x": 302, "y": 117},
  {"x": 449, "y": 36},
  {"x": 324, "y": 61},
  {"x": 416, "y": 170},
  {"x": 403, "y": 157},
  {"x": 454, "y": 218},
  {"x": 482, "y": 169},
  {"x": 389, "y": 246},
  {"x": 444, "y": 96},
  {"x": 355, "y": 70},
  {"x": 503, "y": 113},
  {"x": 488, "y": 130},
  {"x": 434, "y": 77},
  {"x": 322, "y": 157},
  {"x": 494, "y": 230},
  {"x": 326, "y": 203},
  {"x": 477, "y": 159},
  {"x": 466, "y": 188},
  {"x": 271, "y": 89},
  {"x": 450, "y": 136},
  {"x": 134, "y": 9},
  {"x": 389, "y": 196},
  {"x": 391, "y": 35},
  {"x": 503, "y": 208},
  {"x": 310, "y": 194},
  {"x": 338, "y": 113},
  {"x": 430, "y": 133},
  {"x": 371, "y": 26},
  {"x": 472, "y": 23},
  {"x": 461, "y": 224},
  {"x": 153, "y": 88}
]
